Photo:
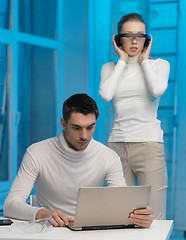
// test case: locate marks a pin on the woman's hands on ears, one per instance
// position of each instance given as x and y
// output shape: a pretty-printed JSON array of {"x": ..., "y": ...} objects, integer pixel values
[
  {"x": 146, "y": 52},
  {"x": 119, "y": 51}
]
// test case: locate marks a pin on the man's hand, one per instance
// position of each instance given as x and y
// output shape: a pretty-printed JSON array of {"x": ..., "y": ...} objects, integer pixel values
[
  {"x": 142, "y": 217},
  {"x": 119, "y": 51},
  {"x": 59, "y": 219}
]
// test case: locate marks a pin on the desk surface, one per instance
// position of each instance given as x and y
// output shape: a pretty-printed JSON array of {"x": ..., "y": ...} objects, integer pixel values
[{"x": 160, "y": 229}]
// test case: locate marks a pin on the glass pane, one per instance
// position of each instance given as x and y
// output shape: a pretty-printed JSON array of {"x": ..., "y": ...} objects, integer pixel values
[
  {"x": 38, "y": 17},
  {"x": 37, "y": 92},
  {"x": 3, "y": 113},
  {"x": 4, "y": 13}
]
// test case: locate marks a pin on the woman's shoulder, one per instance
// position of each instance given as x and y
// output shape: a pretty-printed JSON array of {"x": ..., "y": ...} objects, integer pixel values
[
  {"x": 109, "y": 65},
  {"x": 159, "y": 61},
  {"x": 160, "y": 64}
]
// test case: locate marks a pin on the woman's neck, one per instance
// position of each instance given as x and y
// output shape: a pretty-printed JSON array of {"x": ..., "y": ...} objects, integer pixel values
[{"x": 133, "y": 59}]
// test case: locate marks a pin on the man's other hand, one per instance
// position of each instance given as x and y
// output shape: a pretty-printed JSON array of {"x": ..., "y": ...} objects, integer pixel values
[
  {"x": 142, "y": 217},
  {"x": 59, "y": 219}
]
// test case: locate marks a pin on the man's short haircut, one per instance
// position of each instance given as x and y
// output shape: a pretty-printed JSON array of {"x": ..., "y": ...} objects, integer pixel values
[{"x": 80, "y": 103}]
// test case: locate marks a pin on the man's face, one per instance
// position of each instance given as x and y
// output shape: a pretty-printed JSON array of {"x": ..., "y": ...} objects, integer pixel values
[{"x": 78, "y": 130}]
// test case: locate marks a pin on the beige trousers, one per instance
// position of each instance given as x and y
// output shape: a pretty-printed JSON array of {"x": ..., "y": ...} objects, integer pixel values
[{"x": 144, "y": 164}]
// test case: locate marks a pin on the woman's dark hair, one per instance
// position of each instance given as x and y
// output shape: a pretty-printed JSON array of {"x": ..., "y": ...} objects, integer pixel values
[
  {"x": 129, "y": 17},
  {"x": 80, "y": 103}
]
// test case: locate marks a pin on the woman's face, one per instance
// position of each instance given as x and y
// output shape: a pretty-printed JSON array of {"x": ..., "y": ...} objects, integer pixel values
[{"x": 133, "y": 46}]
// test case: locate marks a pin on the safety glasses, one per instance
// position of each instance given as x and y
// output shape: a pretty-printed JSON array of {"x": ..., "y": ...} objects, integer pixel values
[
  {"x": 38, "y": 226},
  {"x": 133, "y": 35}
]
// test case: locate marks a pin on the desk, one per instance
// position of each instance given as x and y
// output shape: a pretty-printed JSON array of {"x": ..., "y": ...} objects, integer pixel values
[{"x": 159, "y": 230}]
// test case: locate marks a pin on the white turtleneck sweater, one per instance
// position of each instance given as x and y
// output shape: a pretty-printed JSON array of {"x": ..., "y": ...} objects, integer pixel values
[
  {"x": 135, "y": 90},
  {"x": 58, "y": 172}
]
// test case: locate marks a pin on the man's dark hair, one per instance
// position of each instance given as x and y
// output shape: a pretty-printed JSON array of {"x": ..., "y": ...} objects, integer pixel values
[
  {"x": 129, "y": 17},
  {"x": 80, "y": 103}
]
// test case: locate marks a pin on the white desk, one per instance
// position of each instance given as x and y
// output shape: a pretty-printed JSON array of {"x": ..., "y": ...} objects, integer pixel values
[{"x": 159, "y": 230}]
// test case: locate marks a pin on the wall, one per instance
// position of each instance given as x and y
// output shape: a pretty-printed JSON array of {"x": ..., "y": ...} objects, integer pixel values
[
  {"x": 180, "y": 193},
  {"x": 75, "y": 58}
]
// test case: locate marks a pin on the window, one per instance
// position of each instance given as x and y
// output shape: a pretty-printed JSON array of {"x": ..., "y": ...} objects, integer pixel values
[{"x": 30, "y": 79}]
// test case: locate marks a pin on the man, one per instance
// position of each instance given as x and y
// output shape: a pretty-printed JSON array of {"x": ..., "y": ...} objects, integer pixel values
[{"x": 59, "y": 166}]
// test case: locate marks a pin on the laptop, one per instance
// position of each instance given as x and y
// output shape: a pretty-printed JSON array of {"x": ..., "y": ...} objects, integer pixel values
[{"x": 108, "y": 207}]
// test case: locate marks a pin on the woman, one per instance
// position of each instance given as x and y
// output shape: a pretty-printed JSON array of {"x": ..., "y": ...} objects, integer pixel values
[{"x": 135, "y": 84}]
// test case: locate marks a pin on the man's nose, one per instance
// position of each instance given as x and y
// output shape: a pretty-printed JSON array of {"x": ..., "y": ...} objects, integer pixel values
[{"x": 83, "y": 134}]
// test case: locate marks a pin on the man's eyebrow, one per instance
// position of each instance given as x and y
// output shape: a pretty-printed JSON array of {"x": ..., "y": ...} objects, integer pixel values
[
  {"x": 75, "y": 125},
  {"x": 92, "y": 124}
]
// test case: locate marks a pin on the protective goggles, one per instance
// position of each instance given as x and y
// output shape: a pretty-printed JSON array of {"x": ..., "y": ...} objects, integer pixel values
[
  {"x": 36, "y": 226},
  {"x": 133, "y": 35}
]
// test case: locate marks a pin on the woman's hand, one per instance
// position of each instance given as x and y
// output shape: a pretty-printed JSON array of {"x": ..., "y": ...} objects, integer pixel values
[
  {"x": 145, "y": 53},
  {"x": 119, "y": 51}
]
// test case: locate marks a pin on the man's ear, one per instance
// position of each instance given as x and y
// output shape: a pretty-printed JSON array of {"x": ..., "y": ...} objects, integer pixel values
[{"x": 63, "y": 123}]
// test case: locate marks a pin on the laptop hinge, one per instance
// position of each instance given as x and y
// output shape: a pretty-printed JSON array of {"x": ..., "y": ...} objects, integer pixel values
[{"x": 107, "y": 227}]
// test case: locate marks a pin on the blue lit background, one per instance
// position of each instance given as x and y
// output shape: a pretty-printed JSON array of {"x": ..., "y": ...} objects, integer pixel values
[{"x": 51, "y": 49}]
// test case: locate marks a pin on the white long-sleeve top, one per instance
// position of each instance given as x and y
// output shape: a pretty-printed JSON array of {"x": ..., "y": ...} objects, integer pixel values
[
  {"x": 135, "y": 90},
  {"x": 58, "y": 172}
]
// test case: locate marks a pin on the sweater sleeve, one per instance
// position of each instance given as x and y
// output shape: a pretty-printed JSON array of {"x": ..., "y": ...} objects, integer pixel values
[
  {"x": 15, "y": 205},
  {"x": 110, "y": 76},
  {"x": 156, "y": 77},
  {"x": 114, "y": 176}
]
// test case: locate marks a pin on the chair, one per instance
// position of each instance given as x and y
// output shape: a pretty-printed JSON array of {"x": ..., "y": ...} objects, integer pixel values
[{"x": 33, "y": 200}]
